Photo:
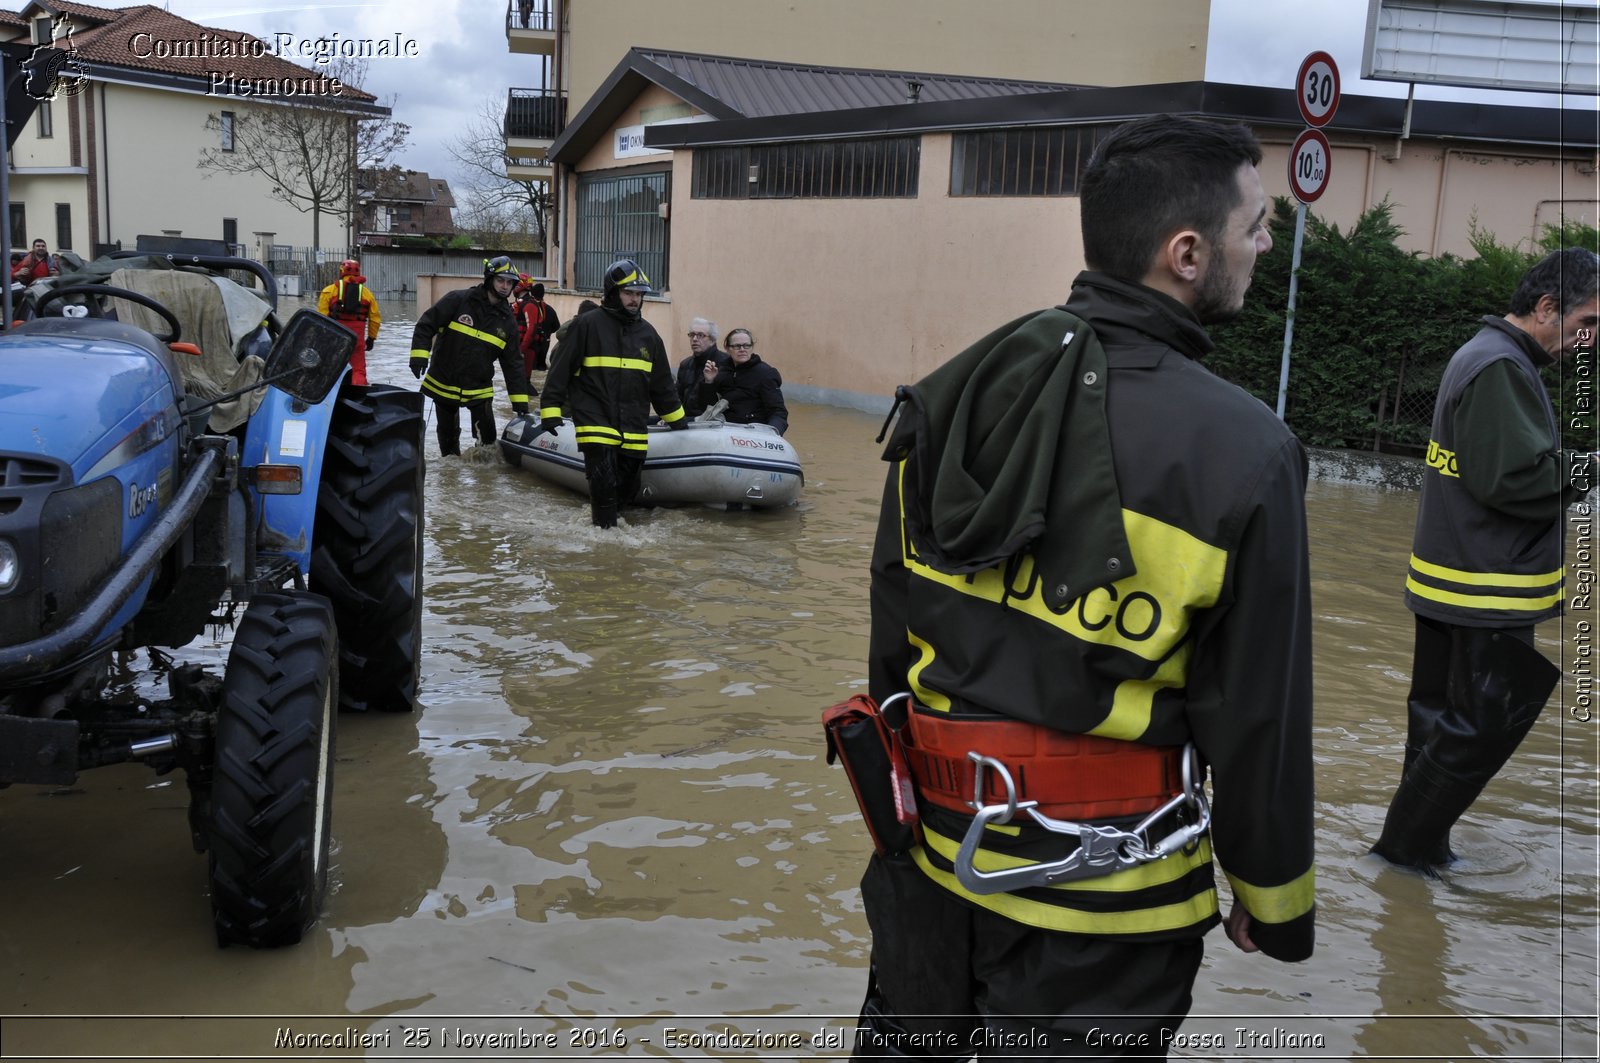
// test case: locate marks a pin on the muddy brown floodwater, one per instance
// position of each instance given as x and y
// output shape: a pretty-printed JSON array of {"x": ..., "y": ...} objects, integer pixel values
[{"x": 610, "y": 832}]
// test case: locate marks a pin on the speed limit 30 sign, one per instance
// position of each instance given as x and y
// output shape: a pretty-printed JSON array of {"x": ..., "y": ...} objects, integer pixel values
[
  {"x": 1316, "y": 89},
  {"x": 1310, "y": 161}
]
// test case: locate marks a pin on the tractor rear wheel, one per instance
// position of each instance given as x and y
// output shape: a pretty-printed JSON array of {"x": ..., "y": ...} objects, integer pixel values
[
  {"x": 272, "y": 783},
  {"x": 367, "y": 557}
]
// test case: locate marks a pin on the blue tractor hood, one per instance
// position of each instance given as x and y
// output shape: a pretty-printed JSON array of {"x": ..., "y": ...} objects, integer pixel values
[{"x": 73, "y": 389}]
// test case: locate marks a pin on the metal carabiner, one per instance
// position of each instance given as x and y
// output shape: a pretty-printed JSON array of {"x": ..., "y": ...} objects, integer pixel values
[{"x": 1101, "y": 850}]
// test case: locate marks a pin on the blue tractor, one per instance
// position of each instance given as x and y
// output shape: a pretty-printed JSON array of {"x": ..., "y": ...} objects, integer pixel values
[{"x": 134, "y": 517}]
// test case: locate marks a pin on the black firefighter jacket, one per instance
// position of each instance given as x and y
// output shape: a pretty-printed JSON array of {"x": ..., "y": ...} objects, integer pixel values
[
  {"x": 604, "y": 377},
  {"x": 460, "y": 338},
  {"x": 1105, "y": 538}
]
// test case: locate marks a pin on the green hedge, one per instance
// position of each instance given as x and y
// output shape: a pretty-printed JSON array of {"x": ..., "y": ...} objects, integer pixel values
[{"x": 1374, "y": 327}]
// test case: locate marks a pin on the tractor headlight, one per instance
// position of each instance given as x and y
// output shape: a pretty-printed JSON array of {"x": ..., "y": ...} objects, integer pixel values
[{"x": 10, "y": 566}]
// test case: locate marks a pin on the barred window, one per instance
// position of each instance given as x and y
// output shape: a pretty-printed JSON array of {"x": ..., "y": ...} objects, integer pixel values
[
  {"x": 879, "y": 168},
  {"x": 620, "y": 217},
  {"x": 1022, "y": 162}
]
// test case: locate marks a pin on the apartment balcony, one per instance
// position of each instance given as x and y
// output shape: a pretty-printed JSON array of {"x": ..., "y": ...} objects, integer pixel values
[
  {"x": 531, "y": 27},
  {"x": 534, "y": 118},
  {"x": 529, "y": 168}
]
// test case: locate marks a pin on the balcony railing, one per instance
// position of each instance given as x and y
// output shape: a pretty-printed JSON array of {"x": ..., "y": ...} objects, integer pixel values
[
  {"x": 531, "y": 15},
  {"x": 535, "y": 114}
]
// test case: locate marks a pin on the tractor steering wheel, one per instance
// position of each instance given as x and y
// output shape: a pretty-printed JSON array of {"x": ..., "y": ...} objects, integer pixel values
[{"x": 119, "y": 293}]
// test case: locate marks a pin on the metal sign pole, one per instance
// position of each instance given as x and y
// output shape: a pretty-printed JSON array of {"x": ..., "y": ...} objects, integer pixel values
[{"x": 1288, "y": 319}]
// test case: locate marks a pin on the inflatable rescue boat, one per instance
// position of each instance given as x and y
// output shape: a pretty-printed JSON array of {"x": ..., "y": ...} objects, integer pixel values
[{"x": 709, "y": 462}]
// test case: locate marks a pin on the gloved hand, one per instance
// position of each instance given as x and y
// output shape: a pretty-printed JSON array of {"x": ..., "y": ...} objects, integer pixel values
[
  {"x": 418, "y": 367},
  {"x": 679, "y": 425},
  {"x": 519, "y": 407},
  {"x": 550, "y": 424},
  {"x": 370, "y": 341}
]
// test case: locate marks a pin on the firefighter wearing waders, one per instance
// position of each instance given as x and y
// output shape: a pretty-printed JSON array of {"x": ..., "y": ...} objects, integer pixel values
[
  {"x": 1486, "y": 555},
  {"x": 1090, "y": 585},
  {"x": 607, "y": 373},
  {"x": 350, "y": 302},
  {"x": 455, "y": 346}
]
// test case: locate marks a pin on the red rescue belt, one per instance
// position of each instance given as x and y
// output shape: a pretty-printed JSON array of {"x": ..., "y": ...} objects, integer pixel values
[{"x": 1071, "y": 776}]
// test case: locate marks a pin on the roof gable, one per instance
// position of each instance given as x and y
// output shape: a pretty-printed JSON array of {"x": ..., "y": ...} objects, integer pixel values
[
  {"x": 728, "y": 88},
  {"x": 145, "y": 38}
]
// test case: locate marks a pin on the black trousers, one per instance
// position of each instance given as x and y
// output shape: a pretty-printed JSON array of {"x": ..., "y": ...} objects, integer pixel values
[
  {"x": 1475, "y": 694},
  {"x": 613, "y": 476},
  {"x": 950, "y": 980},
  {"x": 449, "y": 428}
]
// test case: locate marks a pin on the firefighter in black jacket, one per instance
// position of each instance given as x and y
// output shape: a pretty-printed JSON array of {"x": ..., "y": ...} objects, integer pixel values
[
  {"x": 1092, "y": 557},
  {"x": 606, "y": 374},
  {"x": 1486, "y": 555},
  {"x": 454, "y": 348}
]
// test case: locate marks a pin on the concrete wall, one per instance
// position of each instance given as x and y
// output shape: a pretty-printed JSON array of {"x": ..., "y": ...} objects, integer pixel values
[{"x": 1041, "y": 40}]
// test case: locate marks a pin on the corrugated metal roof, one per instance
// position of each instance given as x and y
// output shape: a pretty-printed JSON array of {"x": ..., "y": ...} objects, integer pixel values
[
  {"x": 728, "y": 88},
  {"x": 757, "y": 88}
]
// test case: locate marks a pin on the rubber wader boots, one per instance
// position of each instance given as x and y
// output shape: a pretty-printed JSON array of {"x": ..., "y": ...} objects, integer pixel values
[{"x": 1496, "y": 686}]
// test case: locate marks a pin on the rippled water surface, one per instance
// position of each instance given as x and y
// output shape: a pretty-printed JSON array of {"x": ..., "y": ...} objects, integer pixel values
[{"x": 612, "y": 817}]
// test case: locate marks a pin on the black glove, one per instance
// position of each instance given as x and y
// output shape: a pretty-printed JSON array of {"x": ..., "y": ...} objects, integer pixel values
[
  {"x": 519, "y": 407},
  {"x": 418, "y": 367},
  {"x": 679, "y": 425},
  {"x": 370, "y": 341},
  {"x": 549, "y": 424}
]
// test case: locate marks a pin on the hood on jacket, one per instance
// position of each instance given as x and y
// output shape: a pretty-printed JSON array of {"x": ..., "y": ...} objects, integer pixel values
[{"x": 1007, "y": 439}]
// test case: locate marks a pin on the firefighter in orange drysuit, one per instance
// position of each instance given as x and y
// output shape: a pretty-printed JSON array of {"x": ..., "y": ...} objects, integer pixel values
[{"x": 349, "y": 302}]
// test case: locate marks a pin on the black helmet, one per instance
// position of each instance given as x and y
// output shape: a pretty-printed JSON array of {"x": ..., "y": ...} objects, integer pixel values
[
  {"x": 495, "y": 266},
  {"x": 625, "y": 275}
]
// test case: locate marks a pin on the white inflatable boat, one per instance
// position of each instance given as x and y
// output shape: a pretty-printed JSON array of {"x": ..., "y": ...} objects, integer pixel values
[{"x": 734, "y": 465}]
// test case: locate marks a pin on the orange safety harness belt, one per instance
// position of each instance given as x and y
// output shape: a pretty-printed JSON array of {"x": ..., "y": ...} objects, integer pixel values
[{"x": 1071, "y": 776}]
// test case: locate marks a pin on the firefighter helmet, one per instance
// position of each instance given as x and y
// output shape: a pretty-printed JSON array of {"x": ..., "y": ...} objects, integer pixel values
[
  {"x": 349, "y": 268},
  {"x": 625, "y": 275},
  {"x": 501, "y": 265}
]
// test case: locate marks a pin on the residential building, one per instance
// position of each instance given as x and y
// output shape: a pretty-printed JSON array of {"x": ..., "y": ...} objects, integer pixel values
[
  {"x": 869, "y": 222},
  {"x": 113, "y": 154},
  {"x": 400, "y": 203}
]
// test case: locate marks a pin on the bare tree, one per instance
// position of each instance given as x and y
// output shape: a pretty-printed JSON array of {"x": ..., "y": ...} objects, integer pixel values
[
  {"x": 309, "y": 152},
  {"x": 502, "y": 211}
]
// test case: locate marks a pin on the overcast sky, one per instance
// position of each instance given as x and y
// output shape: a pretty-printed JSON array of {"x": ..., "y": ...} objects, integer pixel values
[{"x": 464, "y": 61}]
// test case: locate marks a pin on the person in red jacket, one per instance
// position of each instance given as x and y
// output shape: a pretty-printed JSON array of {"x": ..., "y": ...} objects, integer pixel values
[
  {"x": 539, "y": 322},
  {"x": 349, "y": 302},
  {"x": 35, "y": 264}
]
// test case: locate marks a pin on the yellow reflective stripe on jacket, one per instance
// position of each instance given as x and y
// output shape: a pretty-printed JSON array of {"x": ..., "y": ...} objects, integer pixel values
[
  {"x": 1277, "y": 904},
  {"x": 487, "y": 337},
  {"x": 1489, "y": 579},
  {"x": 517, "y": 398},
  {"x": 675, "y": 415},
  {"x": 1147, "y": 614},
  {"x": 600, "y": 361},
  {"x": 454, "y": 394},
  {"x": 598, "y": 433},
  {"x": 1482, "y": 601},
  {"x": 1185, "y": 913},
  {"x": 546, "y": 412},
  {"x": 417, "y": 352}
]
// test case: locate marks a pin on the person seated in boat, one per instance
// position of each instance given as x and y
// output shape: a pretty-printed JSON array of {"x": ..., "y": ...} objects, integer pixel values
[
  {"x": 691, "y": 371},
  {"x": 753, "y": 388}
]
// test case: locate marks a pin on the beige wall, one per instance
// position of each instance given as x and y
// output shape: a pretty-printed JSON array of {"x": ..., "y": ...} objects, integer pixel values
[
  {"x": 1439, "y": 191},
  {"x": 850, "y": 297},
  {"x": 1040, "y": 40}
]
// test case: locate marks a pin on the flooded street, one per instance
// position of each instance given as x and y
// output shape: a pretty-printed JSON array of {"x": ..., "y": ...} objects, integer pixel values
[{"x": 612, "y": 818}]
